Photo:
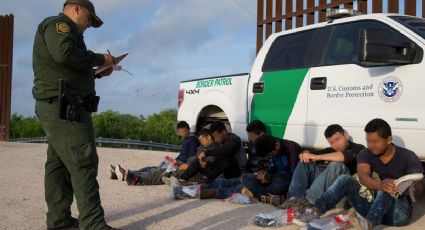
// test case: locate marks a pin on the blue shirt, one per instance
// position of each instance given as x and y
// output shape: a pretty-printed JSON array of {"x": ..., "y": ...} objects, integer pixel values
[
  {"x": 404, "y": 162},
  {"x": 188, "y": 148},
  {"x": 280, "y": 163}
]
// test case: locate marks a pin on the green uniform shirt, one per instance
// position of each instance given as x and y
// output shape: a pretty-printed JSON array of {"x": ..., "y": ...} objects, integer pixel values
[{"x": 60, "y": 53}]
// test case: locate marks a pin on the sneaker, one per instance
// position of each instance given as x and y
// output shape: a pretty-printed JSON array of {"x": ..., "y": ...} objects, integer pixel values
[
  {"x": 302, "y": 205},
  {"x": 291, "y": 202},
  {"x": 277, "y": 200},
  {"x": 174, "y": 181},
  {"x": 166, "y": 180},
  {"x": 308, "y": 215},
  {"x": 358, "y": 221},
  {"x": 121, "y": 173},
  {"x": 73, "y": 225},
  {"x": 112, "y": 169},
  {"x": 274, "y": 200}
]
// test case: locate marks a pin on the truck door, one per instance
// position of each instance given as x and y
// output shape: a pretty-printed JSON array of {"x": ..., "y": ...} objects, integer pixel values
[{"x": 280, "y": 96}]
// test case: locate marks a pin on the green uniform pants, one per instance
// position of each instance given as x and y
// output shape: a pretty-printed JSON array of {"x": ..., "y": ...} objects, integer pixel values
[{"x": 71, "y": 169}]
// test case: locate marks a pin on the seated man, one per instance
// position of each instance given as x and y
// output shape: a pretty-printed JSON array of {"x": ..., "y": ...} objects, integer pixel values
[
  {"x": 255, "y": 129},
  {"x": 153, "y": 175},
  {"x": 197, "y": 171},
  {"x": 189, "y": 143},
  {"x": 226, "y": 158},
  {"x": 277, "y": 161},
  {"x": 221, "y": 188},
  {"x": 317, "y": 170},
  {"x": 390, "y": 162}
]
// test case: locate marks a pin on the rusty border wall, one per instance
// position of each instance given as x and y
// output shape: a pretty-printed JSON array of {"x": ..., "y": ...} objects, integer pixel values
[
  {"x": 278, "y": 15},
  {"x": 6, "y": 56}
]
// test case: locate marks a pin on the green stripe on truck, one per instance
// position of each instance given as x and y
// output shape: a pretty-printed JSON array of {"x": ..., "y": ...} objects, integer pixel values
[{"x": 275, "y": 105}]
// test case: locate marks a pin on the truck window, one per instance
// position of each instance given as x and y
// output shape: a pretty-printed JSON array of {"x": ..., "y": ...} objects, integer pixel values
[
  {"x": 288, "y": 51},
  {"x": 343, "y": 45},
  {"x": 413, "y": 23}
]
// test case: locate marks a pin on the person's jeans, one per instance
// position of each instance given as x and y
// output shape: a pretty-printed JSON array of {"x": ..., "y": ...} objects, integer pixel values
[
  {"x": 311, "y": 181},
  {"x": 225, "y": 187},
  {"x": 145, "y": 169},
  {"x": 278, "y": 186},
  {"x": 191, "y": 171},
  {"x": 385, "y": 209},
  {"x": 148, "y": 175}
]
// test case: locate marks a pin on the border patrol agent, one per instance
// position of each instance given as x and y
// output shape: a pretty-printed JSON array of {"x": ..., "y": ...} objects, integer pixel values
[{"x": 60, "y": 55}]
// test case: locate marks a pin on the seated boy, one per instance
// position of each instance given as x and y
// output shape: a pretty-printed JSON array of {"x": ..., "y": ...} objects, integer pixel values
[
  {"x": 221, "y": 188},
  {"x": 277, "y": 158},
  {"x": 317, "y": 170},
  {"x": 255, "y": 129},
  {"x": 195, "y": 172},
  {"x": 153, "y": 175},
  {"x": 225, "y": 158}
]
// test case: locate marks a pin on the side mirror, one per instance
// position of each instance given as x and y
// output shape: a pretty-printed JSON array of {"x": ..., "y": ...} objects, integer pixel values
[{"x": 379, "y": 46}]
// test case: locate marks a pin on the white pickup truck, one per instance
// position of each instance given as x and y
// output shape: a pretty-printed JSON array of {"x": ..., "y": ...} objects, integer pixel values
[{"x": 347, "y": 70}]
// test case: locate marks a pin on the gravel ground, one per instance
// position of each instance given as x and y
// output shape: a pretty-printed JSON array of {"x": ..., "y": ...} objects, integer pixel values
[{"x": 129, "y": 207}]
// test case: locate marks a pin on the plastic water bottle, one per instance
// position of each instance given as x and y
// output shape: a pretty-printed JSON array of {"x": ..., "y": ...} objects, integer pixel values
[
  {"x": 184, "y": 192},
  {"x": 238, "y": 198},
  {"x": 274, "y": 219},
  {"x": 339, "y": 222},
  {"x": 170, "y": 164}
]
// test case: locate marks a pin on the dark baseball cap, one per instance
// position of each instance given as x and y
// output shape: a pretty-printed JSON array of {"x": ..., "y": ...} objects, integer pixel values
[{"x": 96, "y": 21}]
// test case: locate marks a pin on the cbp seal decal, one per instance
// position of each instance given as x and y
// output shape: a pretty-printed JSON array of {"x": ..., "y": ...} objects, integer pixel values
[{"x": 390, "y": 89}]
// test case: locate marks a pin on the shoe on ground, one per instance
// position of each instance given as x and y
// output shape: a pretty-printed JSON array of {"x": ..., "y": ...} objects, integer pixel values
[
  {"x": 308, "y": 215},
  {"x": 121, "y": 173},
  {"x": 302, "y": 205},
  {"x": 112, "y": 170},
  {"x": 290, "y": 203},
  {"x": 358, "y": 222},
  {"x": 166, "y": 180},
  {"x": 174, "y": 181},
  {"x": 73, "y": 225},
  {"x": 274, "y": 200}
]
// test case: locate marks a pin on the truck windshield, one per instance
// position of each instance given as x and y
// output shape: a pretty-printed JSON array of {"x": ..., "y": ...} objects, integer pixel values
[{"x": 413, "y": 23}]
